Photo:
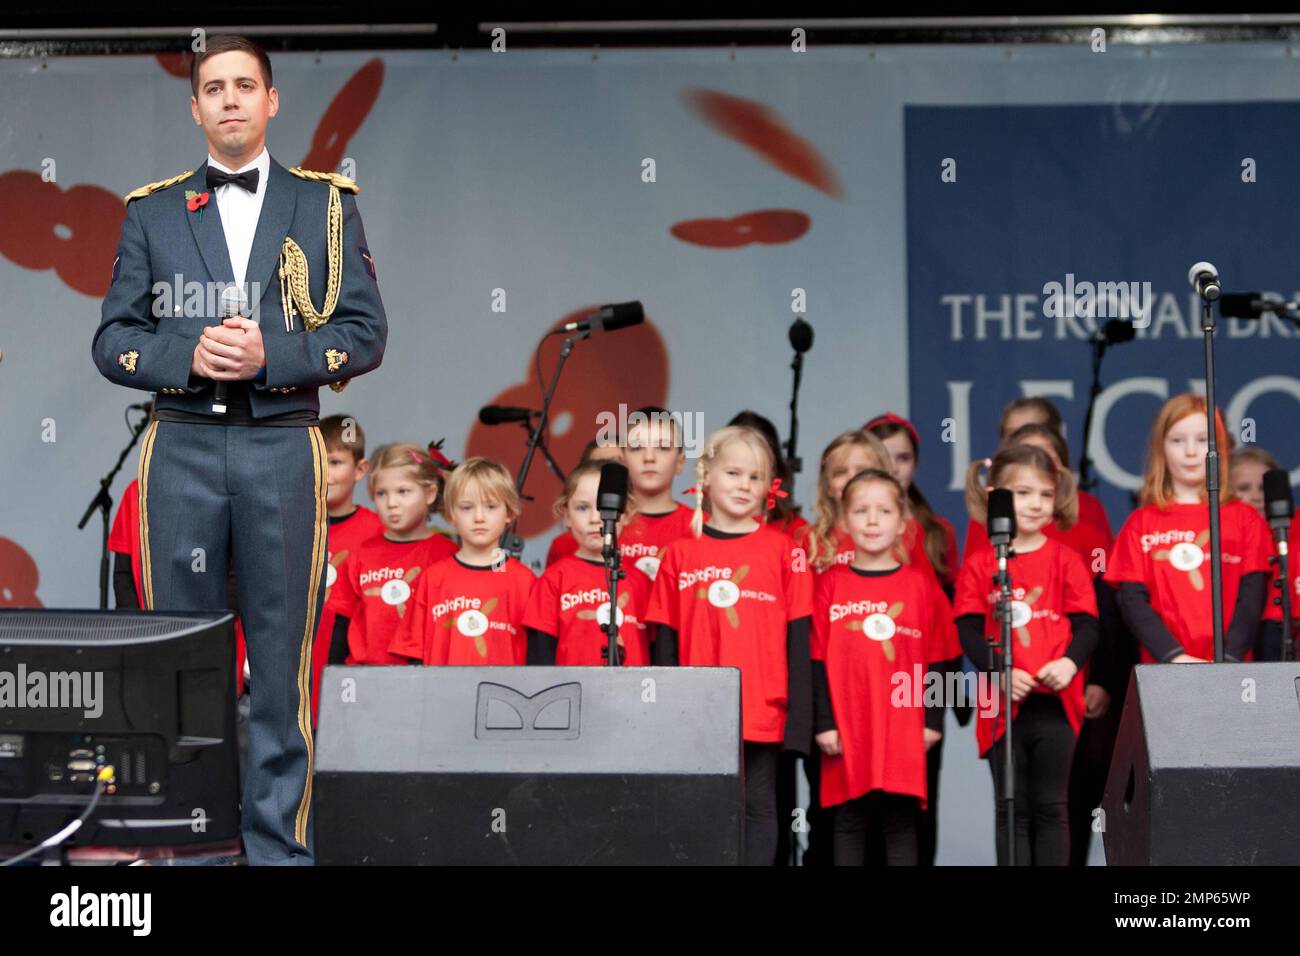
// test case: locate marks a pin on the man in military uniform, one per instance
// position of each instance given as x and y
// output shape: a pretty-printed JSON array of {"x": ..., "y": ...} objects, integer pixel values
[{"x": 240, "y": 477}]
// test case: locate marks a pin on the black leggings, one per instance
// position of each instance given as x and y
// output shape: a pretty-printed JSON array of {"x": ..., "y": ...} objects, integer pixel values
[
  {"x": 891, "y": 819},
  {"x": 761, "y": 826},
  {"x": 1044, "y": 749}
]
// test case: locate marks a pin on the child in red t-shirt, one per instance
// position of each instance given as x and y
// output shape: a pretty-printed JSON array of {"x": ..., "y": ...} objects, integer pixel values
[
  {"x": 654, "y": 457},
  {"x": 738, "y": 594},
  {"x": 468, "y": 609},
  {"x": 569, "y": 605},
  {"x": 878, "y": 626},
  {"x": 350, "y": 525},
  {"x": 827, "y": 540},
  {"x": 926, "y": 535},
  {"x": 373, "y": 592},
  {"x": 1055, "y": 630},
  {"x": 1160, "y": 560},
  {"x": 597, "y": 449}
]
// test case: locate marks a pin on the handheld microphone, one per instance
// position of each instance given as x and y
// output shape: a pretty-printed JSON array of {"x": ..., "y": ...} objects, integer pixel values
[
  {"x": 232, "y": 304},
  {"x": 801, "y": 336},
  {"x": 505, "y": 414},
  {"x": 609, "y": 318},
  {"x": 1253, "y": 305},
  {"x": 1279, "y": 506},
  {"x": 1204, "y": 278},
  {"x": 611, "y": 499}
]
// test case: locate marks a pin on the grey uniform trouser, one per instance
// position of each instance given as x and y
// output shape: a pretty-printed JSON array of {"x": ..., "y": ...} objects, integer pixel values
[{"x": 254, "y": 496}]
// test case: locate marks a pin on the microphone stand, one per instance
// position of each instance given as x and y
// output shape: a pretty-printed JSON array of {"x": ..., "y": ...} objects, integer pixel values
[
  {"x": 1002, "y": 580},
  {"x": 792, "y": 459},
  {"x": 613, "y": 574},
  {"x": 1086, "y": 481},
  {"x": 511, "y": 542},
  {"x": 1283, "y": 560},
  {"x": 1212, "y": 478},
  {"x": 103, "y": 502}
]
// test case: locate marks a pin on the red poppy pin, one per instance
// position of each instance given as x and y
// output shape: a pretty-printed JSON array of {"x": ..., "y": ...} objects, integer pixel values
[{"x": 195, "y": 202}]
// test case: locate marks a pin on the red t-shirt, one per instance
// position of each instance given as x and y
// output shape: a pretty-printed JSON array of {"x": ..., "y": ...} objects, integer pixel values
[
  {"x": 1273, "y": 612},
  {"x": 914, "y": 540},
  {"x": 1047, "y": 585},
  {"x": 375, "y": 588},
  {"x": 1090, "y": 535},
  {"x": 729, "y": 600},
  {"x": 1168, "y": 550},
  {"x": 463, "y": 614},
  {"x": 344, "y": 537},
  {"x": 641, "y": 542},
  {"x": 570, "y": 603},
  {"x": 877, "y": 633},
  {"x": 124, "y": 538},
  {"x": 562, "y": 545}
]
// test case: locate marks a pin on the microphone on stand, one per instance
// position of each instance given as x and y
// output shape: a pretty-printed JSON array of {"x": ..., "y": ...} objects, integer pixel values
[
  {"x": 801, "y": 340},
  {"x": 232, "y": 304},
  {"x": 1253, "y": 305},
  {"x": 505, "y": 414},
  {"x": 1279, "y": 506},
  {"x": 1204, "y": 278},
  {"x": 611, "y": 501},
  {"x": 1279, "y": 509},
  {"x": 1002, "y": 529},
  {"x": 609, "y": 318}
]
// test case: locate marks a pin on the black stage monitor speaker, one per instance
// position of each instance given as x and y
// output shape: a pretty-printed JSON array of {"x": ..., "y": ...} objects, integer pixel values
[
  {"x": 529, "y": 765},
  {"x": 151, "y": 694},
  {"x": 1206, "y": 767}
]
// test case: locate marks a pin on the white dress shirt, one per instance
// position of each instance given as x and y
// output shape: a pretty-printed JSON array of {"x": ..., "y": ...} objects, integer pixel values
[{"x": 240, "y": 210}]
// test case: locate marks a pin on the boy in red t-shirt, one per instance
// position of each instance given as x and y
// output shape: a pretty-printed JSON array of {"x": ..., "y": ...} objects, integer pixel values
[
  {"x": 654, "y": 458},
  {"x": 350, "y": 524},
  {"x": 569, "y": 605},
  {"x": 468, "y": 609}
]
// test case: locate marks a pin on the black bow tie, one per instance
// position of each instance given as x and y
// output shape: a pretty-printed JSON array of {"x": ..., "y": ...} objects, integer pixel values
[{"x": 247, "y": 179}]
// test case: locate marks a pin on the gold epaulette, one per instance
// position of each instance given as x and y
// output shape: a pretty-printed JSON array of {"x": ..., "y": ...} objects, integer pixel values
[
  {"x": 334, "y": 179},
  {"x": 154, "y": 187}
]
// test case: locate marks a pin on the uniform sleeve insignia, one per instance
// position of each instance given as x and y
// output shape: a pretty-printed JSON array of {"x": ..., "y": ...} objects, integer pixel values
[
  {"x": 370, "y": 262},
  {"x": 337, "y": 180},
  {"x": 335, "y": 360},
  {"x": 152, "y": 188},
  {"x": 127, "y": 361}
]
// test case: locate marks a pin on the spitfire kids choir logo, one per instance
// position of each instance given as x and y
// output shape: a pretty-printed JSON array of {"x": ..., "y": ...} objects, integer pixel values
[
  {"x": 1184, "y": 550},
  {"x": 644, "y": 557},
  {"x": 600, "y": 614},
  {"x": 721, "y": 588},
  {"x": 469, "y": 617},
  {"x": 878, "y": 620},
  {"x": 391, "y": 585},
  {"x": 1023, "y": 610}
]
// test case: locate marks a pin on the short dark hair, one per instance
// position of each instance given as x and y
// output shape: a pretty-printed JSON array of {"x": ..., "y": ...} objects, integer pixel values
[{"x": 226, "y": 43}]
